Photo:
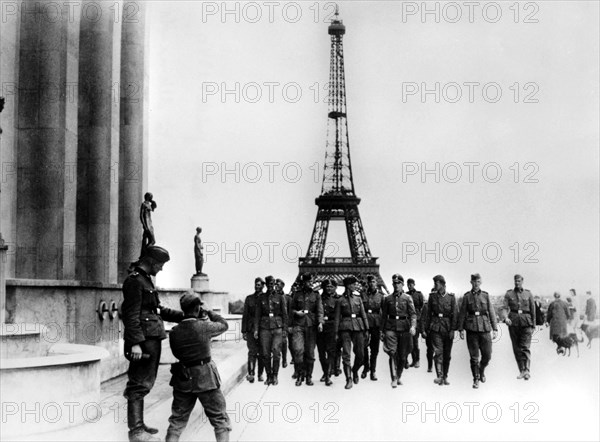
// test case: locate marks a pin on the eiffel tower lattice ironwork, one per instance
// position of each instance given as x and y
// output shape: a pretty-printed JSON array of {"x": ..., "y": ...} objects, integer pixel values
[{"x": 338, "y": 200}]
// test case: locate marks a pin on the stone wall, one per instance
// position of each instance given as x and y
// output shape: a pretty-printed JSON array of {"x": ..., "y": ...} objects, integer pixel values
[{"x": 67, "y": 310}]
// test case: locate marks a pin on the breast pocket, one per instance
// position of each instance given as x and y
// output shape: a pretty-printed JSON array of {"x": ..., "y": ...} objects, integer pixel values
[{"x": 151, "y": 326}]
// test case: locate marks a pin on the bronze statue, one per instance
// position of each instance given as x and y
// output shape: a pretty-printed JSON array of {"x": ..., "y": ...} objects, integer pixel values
[
  {"x": 198, "y": 252},
  {"x": 2, "y": 101},
  {"x": 146, "y": 210}
]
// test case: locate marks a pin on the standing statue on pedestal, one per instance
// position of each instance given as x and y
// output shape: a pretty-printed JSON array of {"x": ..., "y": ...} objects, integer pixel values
[
  {"x": 198, "y": 255},
  {"x": 146, "y": 210}
]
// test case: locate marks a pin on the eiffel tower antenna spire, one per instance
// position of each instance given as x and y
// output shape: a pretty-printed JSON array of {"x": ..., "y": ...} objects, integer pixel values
[{"x": 338, "y": 200}]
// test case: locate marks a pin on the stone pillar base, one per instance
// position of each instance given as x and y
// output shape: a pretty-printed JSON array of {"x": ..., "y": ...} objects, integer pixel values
[{"x": 200, "y": 283}]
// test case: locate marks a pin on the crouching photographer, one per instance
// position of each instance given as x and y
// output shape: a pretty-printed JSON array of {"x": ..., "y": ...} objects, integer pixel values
[{"x": 195, "y": 376}]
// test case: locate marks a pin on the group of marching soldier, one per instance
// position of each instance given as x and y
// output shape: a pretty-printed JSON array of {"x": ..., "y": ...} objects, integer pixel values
[{"x": 362, "y": 316}]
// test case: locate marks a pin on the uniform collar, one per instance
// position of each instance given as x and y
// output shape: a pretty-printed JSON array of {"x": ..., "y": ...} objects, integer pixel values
[
  {"x": 476, "y": 292},
  {"x": 518, "y": 290},
  {"x": 142, "y": 272}
]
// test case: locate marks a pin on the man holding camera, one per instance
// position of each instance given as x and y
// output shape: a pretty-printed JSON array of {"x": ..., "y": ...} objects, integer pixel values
[{"x": 195, "y": 376}]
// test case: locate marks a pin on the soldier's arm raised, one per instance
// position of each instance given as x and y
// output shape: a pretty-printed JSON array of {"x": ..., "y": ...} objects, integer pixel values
[{"x": 218, "y": 324}]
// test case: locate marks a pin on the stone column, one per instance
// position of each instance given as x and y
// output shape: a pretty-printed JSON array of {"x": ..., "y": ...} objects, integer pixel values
[
  {"x": 133, "y": 133},
  {"x": 98, "y": 145},
  {"x": 47, "y": 142},
  {"x": 9, "y": 80},
  {"x": 3, "y": 249}
]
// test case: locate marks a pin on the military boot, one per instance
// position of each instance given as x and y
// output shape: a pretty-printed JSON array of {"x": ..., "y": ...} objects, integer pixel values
[
  {"x": 261, "y": 369},
  {"x": 299, "y": 373},
  {"x": 309, "y": 371},
  {"x": 438, "y": 372},
  {"x": 393, "y": 371},
  {"x": 482, "y": 374},
  {"x": 250, "y": 376},
  {"x": 348, "y": 373},
  {"x": 475, "y": 373},
  {"x": 135, "y": 422},
  {"x": 328, "y": 374}
]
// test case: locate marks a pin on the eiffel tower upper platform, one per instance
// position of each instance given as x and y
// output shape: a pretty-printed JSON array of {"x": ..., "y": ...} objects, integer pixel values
[{"x": 338, "y": 201}]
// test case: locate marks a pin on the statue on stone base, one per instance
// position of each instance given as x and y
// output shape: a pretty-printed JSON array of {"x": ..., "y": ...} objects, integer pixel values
[
  {"x": 146, "y": 210},
  {"x": 198, "y": 255}
]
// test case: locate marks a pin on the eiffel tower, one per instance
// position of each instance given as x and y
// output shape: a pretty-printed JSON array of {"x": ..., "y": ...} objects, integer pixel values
[{"x": 338, "y": 201}]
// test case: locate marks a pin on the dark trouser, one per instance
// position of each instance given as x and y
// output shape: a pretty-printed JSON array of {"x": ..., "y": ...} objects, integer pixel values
[
  {"x": 338, "y": 353},
  {"x": 416, "y": 351},
  {"x": 142, "y": 373},
  {"x": 304, "y": 340},
  {"x": 353, "y": 341},
  {"x": 284, "y": 346},
  {"x": 442, "y": 349},
  {"x": 326, "y": 344},
  {"x": 429, "y": 345},
  {"x": 253, "y": 352},
  {"x": 214, "y": 406},
  {"x": 521, "y": 341},
  {"x": 476, "y": 342},
  {"x": 371, "y": 362},
  {"x": 270, "y": 349},
  {"x": 398, "y": 345}
]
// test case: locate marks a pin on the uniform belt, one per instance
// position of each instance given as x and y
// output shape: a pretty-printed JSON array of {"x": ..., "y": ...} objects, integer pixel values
[
  {"x": 271, "y": 315},
  {"x": 197, "y": 362},
  {"x": 396, "y": 317},
  {"x": 153, "y": 312},
  {"x": 441, "y": 315},
  {"x": 525, "y": 312},
  {"x": 353, "y": 315},
  {"x": 478, "y": 313}
]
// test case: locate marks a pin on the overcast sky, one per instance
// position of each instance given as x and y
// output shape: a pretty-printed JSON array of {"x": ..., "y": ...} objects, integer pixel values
[{"x": 538, "y": 218}]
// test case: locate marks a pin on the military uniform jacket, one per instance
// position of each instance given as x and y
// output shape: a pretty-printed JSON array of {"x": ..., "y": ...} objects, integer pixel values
[
  {"x": 350, "y": 313},
  {"x": 372, "y": 302},
  {"x": 141, "y": 312},
  {"x": 442, "y": 313},
  {"x": 271, "y": 311},
  {"x": 520, "y": 307},
  {"x": 190, "y": 343},
  {"x": 398, "y": 312},
  {"x": 418, "y": 301},
  {"x": 477, "y": 313},
  {"x": 249, "y": 312},
  {"x": 590, "y": 309},
  {"x": 308, "y": 302},
  {"x": 329, "y": 303}
]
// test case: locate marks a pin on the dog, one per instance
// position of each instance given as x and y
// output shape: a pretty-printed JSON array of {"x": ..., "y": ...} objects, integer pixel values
[
  {"x": 591, "y": 331},
  {"x": 564, "y": 344}
]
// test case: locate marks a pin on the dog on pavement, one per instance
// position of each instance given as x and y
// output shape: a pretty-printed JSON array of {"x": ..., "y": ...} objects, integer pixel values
[
  {"x": 564, "y": 344},
  {"x": 591, "y": 331}
]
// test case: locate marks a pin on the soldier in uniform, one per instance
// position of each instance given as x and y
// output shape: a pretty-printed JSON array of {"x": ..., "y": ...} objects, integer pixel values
[
  {"x": 326, "y": 340},
  {"x": 195, "y": 376},
  {"x": 248, "y": 330},
  {"x": 142, "y": 317},
  {"x": 428, "y": 343},
  {"x": 351, "y": 326},
  {"x": 418, "y": 301},
  {"x": 372, "y": 300},
  {"x": 520, "y": 308},
  {"x": 477, "y": 316},
  {"x": 399, "y": 326},
  {"x": 270, "y": 321},
  {"x": 279, "y": 285},
  {"x": 306, "y": 319},
  {"x": 441, "y": 322}
]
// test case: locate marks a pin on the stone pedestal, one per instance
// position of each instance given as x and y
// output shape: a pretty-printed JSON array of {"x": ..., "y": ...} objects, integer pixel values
[{"x": 199, "y": 283}]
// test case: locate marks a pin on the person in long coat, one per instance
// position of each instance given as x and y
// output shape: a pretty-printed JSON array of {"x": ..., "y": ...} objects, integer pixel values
[{"x": 557, "y": 317}]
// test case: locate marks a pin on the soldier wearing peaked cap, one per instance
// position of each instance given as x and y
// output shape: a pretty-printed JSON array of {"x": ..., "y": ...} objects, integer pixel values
[
  {"x": 418, "y": 301},
  {"x": 306, "y": 319},
  {"x": 520, "y": 306},
  {"x": 351, "y": 324},
  {"x": 400, "y": 325},
  {"x": 326, "y": 340},
  {"x": 372, "y": 300},
  {"x": 253, "y": 344},
  {"x": 441, "y": 322},
  {"x": 270, "y": 321},
  {"x": 142, "y": 317},
  {"x": 477, "y": 316}
]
